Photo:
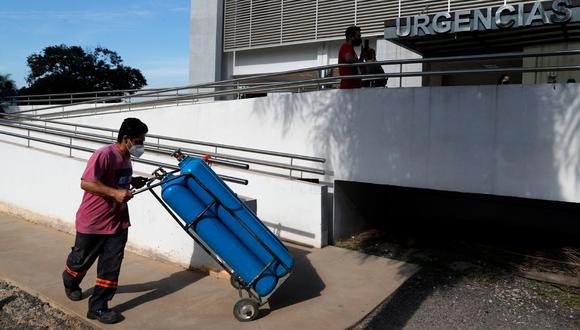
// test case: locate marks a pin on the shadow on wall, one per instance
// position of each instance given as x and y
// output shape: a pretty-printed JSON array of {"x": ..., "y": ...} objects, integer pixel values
[
  {"x": 330, "y": 113},
  {"x": 513, "y": 140},
  {"x": 566, "y": 144},
  {"x": 536, "y": 143}
]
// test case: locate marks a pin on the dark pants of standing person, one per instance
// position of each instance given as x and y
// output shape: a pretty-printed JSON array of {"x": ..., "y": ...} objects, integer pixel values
[{"x": 110, "y": 250}]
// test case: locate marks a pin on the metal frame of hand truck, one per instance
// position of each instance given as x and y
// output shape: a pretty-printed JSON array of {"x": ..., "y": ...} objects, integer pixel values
[{"x": 237, "y": 282}]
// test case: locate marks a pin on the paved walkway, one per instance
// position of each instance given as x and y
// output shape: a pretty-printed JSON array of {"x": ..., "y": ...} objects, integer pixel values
[{"x": 331, "y": 288}]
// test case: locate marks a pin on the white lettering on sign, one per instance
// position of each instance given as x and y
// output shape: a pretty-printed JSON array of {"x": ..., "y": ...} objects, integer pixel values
[{"x": 505, "y": 17}]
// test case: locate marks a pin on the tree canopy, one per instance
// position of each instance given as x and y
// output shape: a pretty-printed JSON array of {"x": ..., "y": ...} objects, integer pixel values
[
  {"x": 71, "y": 69},
  {"x": 7, "y": 91}
]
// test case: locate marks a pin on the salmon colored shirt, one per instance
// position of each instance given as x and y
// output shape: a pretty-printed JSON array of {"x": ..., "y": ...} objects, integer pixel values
[{"x": 103, "y": 215}]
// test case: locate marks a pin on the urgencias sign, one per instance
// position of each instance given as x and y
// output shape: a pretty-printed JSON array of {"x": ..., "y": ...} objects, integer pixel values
[{"x": 504, "y": 17}]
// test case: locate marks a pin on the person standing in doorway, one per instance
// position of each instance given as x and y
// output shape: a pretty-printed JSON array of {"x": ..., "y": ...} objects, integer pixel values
[
  {"x": 347, "y": 55},
  {"x": 102, "y": 220}
]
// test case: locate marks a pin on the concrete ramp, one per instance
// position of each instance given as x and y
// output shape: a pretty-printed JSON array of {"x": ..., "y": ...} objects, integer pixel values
[{"x": 331, "y": 288}]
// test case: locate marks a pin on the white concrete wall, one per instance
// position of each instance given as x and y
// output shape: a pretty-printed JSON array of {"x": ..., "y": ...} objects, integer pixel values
[
  {"x": 43, "y": 180},
  {"x": 48, "y": 184},
  {"x": 514, "y": 140},
  {"x": 268, "y": 60},
  {"x": 281, "y": 201}
]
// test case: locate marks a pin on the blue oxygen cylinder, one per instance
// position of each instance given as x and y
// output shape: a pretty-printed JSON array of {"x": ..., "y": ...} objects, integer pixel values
[
  {"x": 218, "y": 237},
  {"x": 211, "y": 181}
]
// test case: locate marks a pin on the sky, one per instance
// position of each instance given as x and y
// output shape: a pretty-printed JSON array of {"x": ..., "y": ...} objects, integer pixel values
[{"x": 150, "y": 35}]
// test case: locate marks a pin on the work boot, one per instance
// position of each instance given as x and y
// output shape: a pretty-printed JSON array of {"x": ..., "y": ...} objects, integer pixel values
[
  {"x": 107, "y": 316},
  {"x": 74, "y": 294}
]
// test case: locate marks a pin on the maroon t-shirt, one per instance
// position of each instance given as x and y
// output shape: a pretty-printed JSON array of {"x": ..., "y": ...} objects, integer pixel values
[
  {"x": 103, "y": 215},
  {"x": 346, "y": 49}
]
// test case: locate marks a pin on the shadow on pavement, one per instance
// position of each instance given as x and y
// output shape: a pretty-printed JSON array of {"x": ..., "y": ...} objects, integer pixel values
[
  {"x": 304, "y": 283},
  {"x": 157, "y": 289}
]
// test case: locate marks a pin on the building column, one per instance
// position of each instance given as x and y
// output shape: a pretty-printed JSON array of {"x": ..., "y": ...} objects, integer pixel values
[{"x": 205, "y": 41}]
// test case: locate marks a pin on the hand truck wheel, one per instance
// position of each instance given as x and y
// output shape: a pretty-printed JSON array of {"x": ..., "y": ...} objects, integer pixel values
[{"x": 246, "y": 309}]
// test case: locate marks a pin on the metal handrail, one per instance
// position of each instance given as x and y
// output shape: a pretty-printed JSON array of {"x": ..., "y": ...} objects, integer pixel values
[
  {"x": 220, "y": 159},
  {"x": 168, "y": 150},
  {"x": 91, "y": 92},
  {"x": 25, "y": 96},
  {"x": 71, "y": 147},
  {"x": 302, "y": 84},
  {"x": 42, "y": 101},
  {"x": 180, "y": 140},
  {"x": 58, "y": 103},
  {"x": 110, "y": 98},
  {"x": 237, "y": 81}
]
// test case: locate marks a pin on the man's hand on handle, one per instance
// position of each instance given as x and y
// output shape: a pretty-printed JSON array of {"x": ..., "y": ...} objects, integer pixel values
[{"x": 123, "y": 195}]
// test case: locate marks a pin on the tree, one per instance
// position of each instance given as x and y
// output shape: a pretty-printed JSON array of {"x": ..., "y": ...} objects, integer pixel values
[
  {"x": 64, "y": 69},
  {"x": 7, "y": 91}
]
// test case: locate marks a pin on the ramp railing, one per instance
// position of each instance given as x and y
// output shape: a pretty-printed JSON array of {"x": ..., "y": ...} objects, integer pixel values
[
  {"x": 220, "y": 154},
  {"x": 91, "y": 103}
]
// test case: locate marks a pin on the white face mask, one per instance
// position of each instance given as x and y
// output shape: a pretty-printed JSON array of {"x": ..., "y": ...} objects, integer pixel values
[{"x": 137, "y": 150}]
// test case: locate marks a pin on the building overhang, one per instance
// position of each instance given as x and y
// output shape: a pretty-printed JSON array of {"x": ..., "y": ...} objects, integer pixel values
[{"x": 487, "y": 30}]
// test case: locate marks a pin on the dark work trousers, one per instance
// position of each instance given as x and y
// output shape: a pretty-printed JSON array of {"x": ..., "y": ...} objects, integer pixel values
[{"x": 110, "y": 250}]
